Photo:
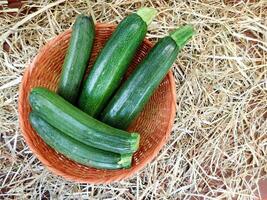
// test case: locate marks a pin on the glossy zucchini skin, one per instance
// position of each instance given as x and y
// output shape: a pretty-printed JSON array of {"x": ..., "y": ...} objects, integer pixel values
[
  {"x": 75, "y": 150},
  {"x": 77, "y": 57},
  {"x": 111, "y": 64},
  {"x": 73, "y": 122},
  {"x": 132, "y": 96}
]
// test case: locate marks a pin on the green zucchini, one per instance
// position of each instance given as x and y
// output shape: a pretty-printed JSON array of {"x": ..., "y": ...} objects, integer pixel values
[
  {"x": 132, "y": 96},
  {"x": 80, "y": 126},
  {"x": 113, "y": 60},
  {"x": 77, "y": 151},
  {"x": 77, "y": 57}
]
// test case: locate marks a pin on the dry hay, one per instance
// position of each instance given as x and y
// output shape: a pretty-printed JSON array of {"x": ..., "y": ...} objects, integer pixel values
[{"x": 219, "y": 142}]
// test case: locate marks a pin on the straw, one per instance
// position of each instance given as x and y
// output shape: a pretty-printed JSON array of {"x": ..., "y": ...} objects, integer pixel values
[{"x": 218, "y": 146}]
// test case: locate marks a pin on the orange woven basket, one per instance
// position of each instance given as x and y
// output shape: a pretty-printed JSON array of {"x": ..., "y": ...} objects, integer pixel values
[{"x": 154, "y": 123}]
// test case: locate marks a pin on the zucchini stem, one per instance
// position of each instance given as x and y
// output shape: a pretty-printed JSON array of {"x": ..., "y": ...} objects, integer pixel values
[
  {"x": 136, "y": 138},
  {"x": 182, "y": 35},
  {"x": 126, "y": 161},
  {"x": 147, "y": 14}
]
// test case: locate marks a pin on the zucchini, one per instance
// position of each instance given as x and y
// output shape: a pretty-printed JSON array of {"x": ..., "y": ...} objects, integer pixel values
[
  {"x": 77, "y": 151},
  {"x": 132, "y": 96},
  {"x": 113, "y": 60},
  {"x": 77, "y": 57},
  {"x": 80, "y": 126}
]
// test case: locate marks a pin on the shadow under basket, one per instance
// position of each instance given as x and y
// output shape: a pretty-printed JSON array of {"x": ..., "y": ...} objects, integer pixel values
[{"x": 154, "y": 123}]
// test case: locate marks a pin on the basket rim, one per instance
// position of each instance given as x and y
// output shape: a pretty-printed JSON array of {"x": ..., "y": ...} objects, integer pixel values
[{"x": 126, "y": 173}]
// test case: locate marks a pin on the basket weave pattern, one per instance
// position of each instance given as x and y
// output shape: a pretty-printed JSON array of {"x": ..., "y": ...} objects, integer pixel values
[{"x": 154, "y": 123}]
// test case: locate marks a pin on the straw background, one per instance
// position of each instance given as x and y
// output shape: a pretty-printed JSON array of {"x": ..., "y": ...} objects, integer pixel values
[{"x": 218, "y": 147}]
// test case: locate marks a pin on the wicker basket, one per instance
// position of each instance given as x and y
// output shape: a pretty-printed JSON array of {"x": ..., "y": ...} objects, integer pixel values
[{"x": 154, "y": 123}]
